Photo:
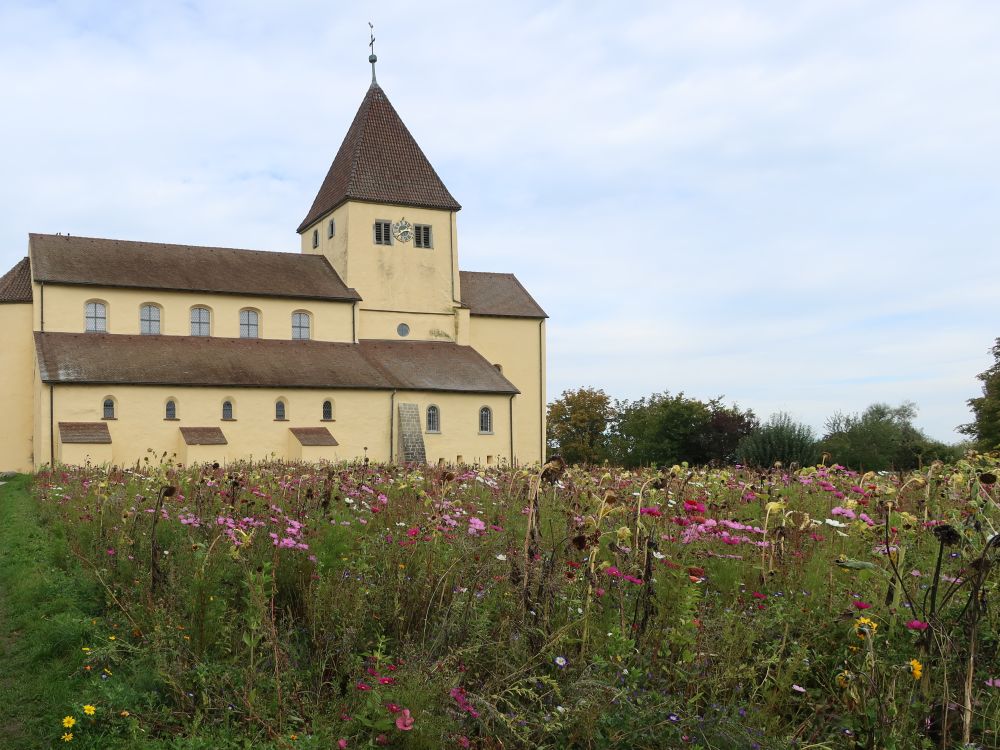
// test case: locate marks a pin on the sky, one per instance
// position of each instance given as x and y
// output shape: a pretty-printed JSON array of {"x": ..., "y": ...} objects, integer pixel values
[{"x": 792, "y": 205}]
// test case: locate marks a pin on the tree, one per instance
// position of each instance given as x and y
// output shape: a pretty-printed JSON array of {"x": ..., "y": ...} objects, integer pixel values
[
  {"x": 881, "y": 437},
  {"x": 781, "y": 438},
  {"x": 662, "y": 429},
  {"x": 577, "y": 425},
  {"x": 985, "y": 429}
]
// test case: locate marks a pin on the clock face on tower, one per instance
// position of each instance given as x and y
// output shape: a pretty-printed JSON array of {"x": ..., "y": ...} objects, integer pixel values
[{"x": 402, "y": 230}]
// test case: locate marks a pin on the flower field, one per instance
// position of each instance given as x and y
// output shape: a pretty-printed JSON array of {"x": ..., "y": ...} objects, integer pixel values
[{"x": 295, "y": 606}]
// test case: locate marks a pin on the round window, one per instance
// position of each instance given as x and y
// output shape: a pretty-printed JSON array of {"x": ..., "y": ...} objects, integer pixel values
[{"x": 403, "y": 330}]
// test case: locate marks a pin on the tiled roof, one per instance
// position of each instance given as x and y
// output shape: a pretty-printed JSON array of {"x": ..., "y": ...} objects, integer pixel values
[
  {"x": 84, "y": 432},
  {"x": 203, "y": 436},
  {"x": 313, "y": 436},
  {"x": 61, "y": 259},
  {"x": 264, "y": 363},
  {"x": 15, "y": 285},
  {"x": 379, "y": 162},
  {"x": 498, "y": 294}
]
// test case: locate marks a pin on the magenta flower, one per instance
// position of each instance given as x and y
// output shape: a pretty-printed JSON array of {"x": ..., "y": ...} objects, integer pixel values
[
  {"x": 404, "y": 721},
  {"x": 917, "y": 625},
  {"x": 862, "y": 605},
  {"x": 995, "y": 682}
]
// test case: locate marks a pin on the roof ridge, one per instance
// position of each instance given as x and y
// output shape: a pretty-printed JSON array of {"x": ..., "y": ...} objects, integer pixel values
[{"x": 172, "y": 244}]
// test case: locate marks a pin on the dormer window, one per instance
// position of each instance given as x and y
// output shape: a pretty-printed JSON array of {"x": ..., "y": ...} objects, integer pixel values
[
  {"x": 315, "y": 238},
  {"x": 383, "y": 232},
  {"x": 422, "y": 235}
]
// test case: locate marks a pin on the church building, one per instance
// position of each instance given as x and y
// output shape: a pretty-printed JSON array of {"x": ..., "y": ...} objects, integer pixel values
[{"x": 369, "y": 342}]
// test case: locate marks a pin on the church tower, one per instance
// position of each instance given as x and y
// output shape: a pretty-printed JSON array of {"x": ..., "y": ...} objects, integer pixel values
[{"x": 387, "y": 224}]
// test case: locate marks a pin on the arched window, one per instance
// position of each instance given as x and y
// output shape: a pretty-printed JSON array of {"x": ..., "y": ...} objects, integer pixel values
[
  {"x": 201, "y": 321},
  {"x": 433, "y": 419},
  {"x": 109, "y": 408},
  {"x": 328, "y": 411},
  {"x": 96, "y": 317},
  {"x": 149, "y": 319},
  {"x": 300, "y": 325},
  {"x": 227, "y": 410},
  {"x": 486, "y": 419},
  {"x": 171, "y": 409},
  {"x": 249, "y": 324},
  {"x": 279, "y": 410}
]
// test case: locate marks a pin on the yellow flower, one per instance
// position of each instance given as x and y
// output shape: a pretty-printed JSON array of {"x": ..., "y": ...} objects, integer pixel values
[
  {"x": 125, "y": 714},
  {"x": 68, "y": 722},
  {"x": 89, "y": 710},
  {"x": 844, "y": 679},
  {"x": 916, "y": 669},
  {"x": 865, "y": 628},
  {"x": 67, "y": 737}
]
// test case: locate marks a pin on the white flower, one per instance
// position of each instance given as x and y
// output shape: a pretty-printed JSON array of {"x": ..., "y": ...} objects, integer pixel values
[
  {"x": 658, "y": 555},
  {"x": 501, "y": 557},
  {"x": 560, "y": 661},
  {"x": 835, "y": 523}
]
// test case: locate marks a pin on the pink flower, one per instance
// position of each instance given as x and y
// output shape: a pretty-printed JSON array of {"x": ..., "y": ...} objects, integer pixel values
[
  {"x": 995, "y": 682},
  {"x": 862, "y": 605},
  {"x": 758, "y": 595},
  {"x": 612, "y": 571},
  {"x": 393, "y": 708},
  {"x": 463, "y": 741},
  {"x": 655, "y": 512},
  {"x": 404, "y": 721},
  {"x": 342, "y": 744},
  {"x": 111, "y": 552},
  {"x": 412, "y": 532},
  {"x": 917, "y": 625},
  {"x": 386, "y": 680},
  {"x": 364, "y": 686}
]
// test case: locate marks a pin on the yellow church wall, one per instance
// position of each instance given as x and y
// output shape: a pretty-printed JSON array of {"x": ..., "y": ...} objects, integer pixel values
[
  {"x": 81, "y": 454},
  {"x": 518, "y": 346},
  {"x": 399, "y": 276},
  {"x": 378, "y": 324},
  {"x": 65, "y": 305},
  {"x": 459, "y": 440},
  {"x": 334, "y": 248},
  {"x": 17, "y": 353},
  {"x": 361, "y": 421}
]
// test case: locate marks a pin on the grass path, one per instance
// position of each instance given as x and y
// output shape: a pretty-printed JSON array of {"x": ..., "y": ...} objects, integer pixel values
[{"x": 44, "y": 611}]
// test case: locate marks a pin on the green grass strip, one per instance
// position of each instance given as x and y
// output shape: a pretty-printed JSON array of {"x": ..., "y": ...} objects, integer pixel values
[{"x": 46, "y": 602}]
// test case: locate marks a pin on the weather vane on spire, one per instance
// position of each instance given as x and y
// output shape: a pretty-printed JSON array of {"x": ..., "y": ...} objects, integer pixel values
[{"x": 372, "y": 58}]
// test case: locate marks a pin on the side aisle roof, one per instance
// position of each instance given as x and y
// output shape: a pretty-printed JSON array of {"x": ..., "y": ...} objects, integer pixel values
[{"x": 89, "y": 261}]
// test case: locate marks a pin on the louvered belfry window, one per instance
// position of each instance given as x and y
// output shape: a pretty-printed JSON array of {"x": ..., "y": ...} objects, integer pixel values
[
  {"x": 422, "y": 235},
  {"x": 383, "y": 233}
]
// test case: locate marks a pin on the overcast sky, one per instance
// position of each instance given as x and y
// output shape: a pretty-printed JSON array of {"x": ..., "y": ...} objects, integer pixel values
[{"x": 794, "y": 205}]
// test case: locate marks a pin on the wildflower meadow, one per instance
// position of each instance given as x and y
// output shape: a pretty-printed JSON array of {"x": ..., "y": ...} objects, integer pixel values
[{"x": 273, "y": 605}]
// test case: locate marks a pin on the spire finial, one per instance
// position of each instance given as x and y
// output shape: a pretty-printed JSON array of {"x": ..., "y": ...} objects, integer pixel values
[{"x": 372, "y": 58}]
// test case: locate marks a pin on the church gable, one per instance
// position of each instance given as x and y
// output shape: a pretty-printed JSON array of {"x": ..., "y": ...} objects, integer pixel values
[
  {"x": 15, "y": 285},
  {"x": 380, "y": 162}
]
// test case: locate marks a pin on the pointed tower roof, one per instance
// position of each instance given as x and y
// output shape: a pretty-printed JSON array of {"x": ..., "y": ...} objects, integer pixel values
[{"x": 379, "y": 162}]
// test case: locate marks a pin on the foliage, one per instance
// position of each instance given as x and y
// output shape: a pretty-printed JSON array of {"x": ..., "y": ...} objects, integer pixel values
[
  {"x": 294, "y": 606},
  {"x": 577, "y": 425},
  {"x": 780, "y": 439},
  {"x": 661, "y": 430},
  {"x": 881, "y": 437},
  {"x": 985, "y": 427}
]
